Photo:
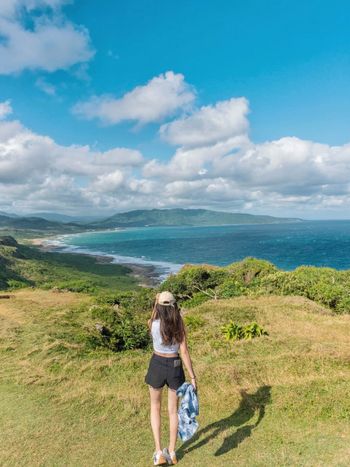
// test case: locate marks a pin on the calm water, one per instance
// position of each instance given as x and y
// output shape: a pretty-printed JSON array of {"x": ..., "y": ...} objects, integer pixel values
[{"x": 318, "y": 243}]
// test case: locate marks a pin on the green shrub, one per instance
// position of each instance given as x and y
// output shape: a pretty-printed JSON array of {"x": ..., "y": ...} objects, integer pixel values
[
  {"x": 118, "y": 329},
  {"x": 191, "y": 280},
  {"x": 323, "y": 285},
  {"x": 193, "y": 322},
  {"x": 140, "y": 301},
  {"x": 15, "y": 284},
  {"x": 231, "y": 288},
  {"x": 197, "y": 299},
  {"x": 79, "y": 285},
  {"x": 234, "y": 331},
  {"x": 250, "y": 271}
]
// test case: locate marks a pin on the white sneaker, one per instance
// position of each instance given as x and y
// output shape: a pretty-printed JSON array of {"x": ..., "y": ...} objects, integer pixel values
[
  {"x": 170, "y": 456},
  {"x": 158, "y": 458}
]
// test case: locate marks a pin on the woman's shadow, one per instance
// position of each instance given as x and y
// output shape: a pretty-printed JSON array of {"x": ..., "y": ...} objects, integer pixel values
[{"x": 250, "y": 405}]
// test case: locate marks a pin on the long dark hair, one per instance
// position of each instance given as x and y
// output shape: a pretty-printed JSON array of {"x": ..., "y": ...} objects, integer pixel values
[{"x": 172, "y": 327}]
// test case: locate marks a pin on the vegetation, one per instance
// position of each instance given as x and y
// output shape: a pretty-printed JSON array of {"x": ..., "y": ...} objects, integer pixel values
[
  {"x": 253, "y": 277},
  {"x": 23, "y": 266},
  {"x": 234, "y": 331},
  {"x": 74, "y": 349},
  {"x": 118, "y": 329},
  {"x": 37, "y": 224},
  {"x": 281, "y": 399}
]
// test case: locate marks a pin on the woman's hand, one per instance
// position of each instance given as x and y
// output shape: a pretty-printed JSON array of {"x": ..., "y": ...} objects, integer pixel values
[{"x": 194, "y": 383}]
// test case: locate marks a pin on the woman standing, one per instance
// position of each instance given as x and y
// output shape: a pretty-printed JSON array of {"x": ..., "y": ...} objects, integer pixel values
[{"x": 165, "y": 367}]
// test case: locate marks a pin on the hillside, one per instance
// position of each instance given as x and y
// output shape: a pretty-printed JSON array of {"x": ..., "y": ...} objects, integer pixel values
[
  {"x": 23, "y": 266},
  {"x": 57, "y": 217},
  {"x": 190, "y": 217},
  {"x": 282, "y": 399},
  {"x": 36, "y": 224}
]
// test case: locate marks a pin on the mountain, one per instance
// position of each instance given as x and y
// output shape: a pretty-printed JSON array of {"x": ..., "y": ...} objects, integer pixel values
[
  {"x": 57, "y": 217},
  {"x": 35, "y": 223},
  {"x": 190, "y": 217},
  {"x": 7, "y": 214}
]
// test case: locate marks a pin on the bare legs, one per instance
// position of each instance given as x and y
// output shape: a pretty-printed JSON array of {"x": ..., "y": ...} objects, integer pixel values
[
  {"x": 156, "y": 399},
  {"x": 173, "y": 418}
]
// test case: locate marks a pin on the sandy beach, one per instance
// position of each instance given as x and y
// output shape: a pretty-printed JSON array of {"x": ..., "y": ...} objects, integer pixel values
[{"x": 146, "y": 275}]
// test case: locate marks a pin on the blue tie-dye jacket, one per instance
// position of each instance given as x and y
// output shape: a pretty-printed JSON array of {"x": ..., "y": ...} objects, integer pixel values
[{"x": 188, "y": 410}]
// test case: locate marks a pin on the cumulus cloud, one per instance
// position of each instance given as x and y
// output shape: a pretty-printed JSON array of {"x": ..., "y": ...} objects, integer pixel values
[
  {"x": 38, "y": 173},
  {"x": 11, "y": 8},
  {"x": 52, "y": 43},
  {"x": 282, "y": 177},
  {"x": 160, "y": 97},
  {"x": 189, "y": 163},
  {"x": 209, "y": 124},
  {"x": 5, "y": 109}
]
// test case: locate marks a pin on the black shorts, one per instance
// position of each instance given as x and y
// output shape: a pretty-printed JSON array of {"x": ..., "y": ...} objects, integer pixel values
[{"x": 165, "y": 370}]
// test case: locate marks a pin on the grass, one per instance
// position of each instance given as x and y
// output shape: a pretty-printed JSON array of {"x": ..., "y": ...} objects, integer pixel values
[{"x": 281, "y": 399}]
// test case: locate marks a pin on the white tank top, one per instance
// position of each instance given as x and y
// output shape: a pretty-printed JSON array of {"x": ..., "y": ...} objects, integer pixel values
[{"x": 158, "y": 345}]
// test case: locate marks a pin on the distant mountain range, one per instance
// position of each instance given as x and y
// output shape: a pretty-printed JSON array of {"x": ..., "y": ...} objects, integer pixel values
[
  {"x": 139, "y": 218},
  {"x": 35, "y": 223},
  {"x": 190, "y": 217},
  {"x": 57, "y": 217}
]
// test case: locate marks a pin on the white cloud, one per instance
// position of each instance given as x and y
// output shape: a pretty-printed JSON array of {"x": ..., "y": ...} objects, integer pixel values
[
  {"x": 189, "y": 163},
  {"x": 12, "y": 8},
  {"x": 282, "y": 177},
  {"x": 209, "y": 124},
  {"x": 109, "y": 182},
  {"x": 5, "y": 109},
  {"x": 160, "y": 97},
  {"x": 52, "y": 43}
]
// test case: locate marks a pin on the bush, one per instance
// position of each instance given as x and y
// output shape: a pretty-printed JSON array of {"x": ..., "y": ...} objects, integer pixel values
[
  {"x": 234, "y": 331},
  {"x": 231, "y": 288},
  {"x": 81, "y": 285},
  {"x": 197, "y": 299},
  {"x": 119, "y": 329},
  {"x": 250, "y": 271},
  {"x": 323, "y": 285},
  {"x": 15, "y": 284},
  {"x": 191, "y": 280},
  {"x": 196, "y": 284},
  {"x": 193, "y": 322},
  {"x": 140, "y": 301}
]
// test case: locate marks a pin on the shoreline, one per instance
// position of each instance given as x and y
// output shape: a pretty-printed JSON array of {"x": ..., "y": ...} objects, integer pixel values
[{"x": 146, "y": 275}]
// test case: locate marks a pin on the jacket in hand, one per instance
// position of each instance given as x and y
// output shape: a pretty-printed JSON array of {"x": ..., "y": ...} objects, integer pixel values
[{"x": 188, "y": 410}]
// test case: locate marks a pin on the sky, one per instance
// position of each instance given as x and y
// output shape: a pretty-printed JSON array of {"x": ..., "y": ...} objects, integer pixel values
[{"x": 239, "y": 106}]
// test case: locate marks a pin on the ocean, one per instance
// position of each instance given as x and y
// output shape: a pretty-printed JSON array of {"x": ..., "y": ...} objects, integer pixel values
[{"x": 317, "y": 243}]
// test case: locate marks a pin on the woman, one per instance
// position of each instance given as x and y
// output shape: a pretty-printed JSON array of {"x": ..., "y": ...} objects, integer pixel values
[{"x": 165, "y": 367}]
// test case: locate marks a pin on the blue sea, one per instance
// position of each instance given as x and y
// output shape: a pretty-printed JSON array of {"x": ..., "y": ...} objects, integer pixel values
[{"x": 317, "y": 243}]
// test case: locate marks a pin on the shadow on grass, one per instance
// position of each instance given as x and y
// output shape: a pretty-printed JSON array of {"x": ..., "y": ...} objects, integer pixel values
[{"x": 250, "y": 405}]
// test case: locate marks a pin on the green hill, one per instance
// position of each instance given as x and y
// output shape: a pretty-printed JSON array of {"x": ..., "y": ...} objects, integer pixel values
[
  {"x": 36, "y": 224},
  {"x": 190, "y": 217},
  {"x": 23, "y": 266}
]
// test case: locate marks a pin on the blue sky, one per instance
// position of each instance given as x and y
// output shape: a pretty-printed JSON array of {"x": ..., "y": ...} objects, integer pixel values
[{"x": 288, "y": 60}]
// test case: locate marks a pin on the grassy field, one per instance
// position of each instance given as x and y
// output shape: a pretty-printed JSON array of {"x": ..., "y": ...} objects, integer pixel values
[{"x": 281, "y": 399}]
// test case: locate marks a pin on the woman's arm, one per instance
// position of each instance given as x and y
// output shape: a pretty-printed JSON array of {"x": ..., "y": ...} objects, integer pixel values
[{"x": 185, "y": 354}]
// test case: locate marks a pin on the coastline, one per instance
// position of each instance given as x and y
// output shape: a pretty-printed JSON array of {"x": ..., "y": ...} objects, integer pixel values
[{"x": 147, "y": 275}]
